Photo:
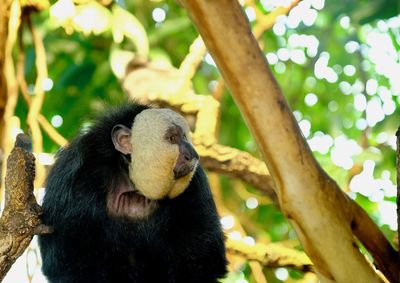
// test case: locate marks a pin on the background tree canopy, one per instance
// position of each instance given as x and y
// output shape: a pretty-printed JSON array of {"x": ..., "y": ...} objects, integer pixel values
[{"x": 337, "y": 63}]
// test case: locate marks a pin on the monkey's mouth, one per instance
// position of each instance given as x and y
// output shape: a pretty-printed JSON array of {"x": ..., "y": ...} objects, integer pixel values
[
  {"x": 129, "y": 203},
  {"x": 185, "y": 169}
]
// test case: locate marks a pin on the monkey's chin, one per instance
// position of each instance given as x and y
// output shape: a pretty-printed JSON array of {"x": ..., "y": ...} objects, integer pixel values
[{"x": 130, "y": 204}]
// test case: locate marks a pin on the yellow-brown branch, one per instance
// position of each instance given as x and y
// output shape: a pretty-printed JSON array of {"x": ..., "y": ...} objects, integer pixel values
[{"x": 37, "y": 101}]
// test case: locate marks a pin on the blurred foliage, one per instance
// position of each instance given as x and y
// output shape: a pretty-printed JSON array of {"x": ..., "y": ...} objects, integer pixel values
[{"x": 79, "y": 41}]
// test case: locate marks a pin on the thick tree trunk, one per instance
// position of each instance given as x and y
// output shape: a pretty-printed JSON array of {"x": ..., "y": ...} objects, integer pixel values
[{"x": 322, "y": 215}]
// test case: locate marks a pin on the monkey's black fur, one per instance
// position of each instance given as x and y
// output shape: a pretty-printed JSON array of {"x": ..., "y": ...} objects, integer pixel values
[{"x": 181, "y": 241}]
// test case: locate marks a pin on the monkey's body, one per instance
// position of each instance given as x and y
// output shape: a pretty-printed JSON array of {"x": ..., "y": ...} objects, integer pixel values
[{"x": 180, "y": 241}]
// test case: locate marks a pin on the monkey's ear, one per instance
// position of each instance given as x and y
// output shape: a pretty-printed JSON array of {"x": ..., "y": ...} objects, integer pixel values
[{"x": 121, "y": 138}]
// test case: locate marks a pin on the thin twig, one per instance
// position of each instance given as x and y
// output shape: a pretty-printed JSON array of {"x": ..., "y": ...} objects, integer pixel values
[
  {"x": 51, "y": 132},
  {"x": 189, "y": 66},
  {"x": 11, "y": 81},
  {"x": 267, "y": 22},
  {"x": 252, "y": 4},
  {"x": 21, "y": 67},
  {"x": 37, "y": 101},
  {"x": 44, "y": 123}
]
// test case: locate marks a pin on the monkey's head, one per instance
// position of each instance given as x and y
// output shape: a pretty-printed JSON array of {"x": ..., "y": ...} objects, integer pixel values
[{"x": 163, "y": 160}]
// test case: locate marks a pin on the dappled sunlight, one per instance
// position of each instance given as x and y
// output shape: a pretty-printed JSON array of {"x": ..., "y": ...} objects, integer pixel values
[
  {"x": 321, "y": 142},
  {"x": 343, "y": 150},
  {"x": 159, "y": 15},
  {"x": 57, "y": 121},
  {"x": 377, "y": 189}
]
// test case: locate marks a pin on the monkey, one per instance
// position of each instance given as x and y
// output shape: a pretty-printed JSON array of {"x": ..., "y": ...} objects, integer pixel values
[{"x": 129, "y": 202}]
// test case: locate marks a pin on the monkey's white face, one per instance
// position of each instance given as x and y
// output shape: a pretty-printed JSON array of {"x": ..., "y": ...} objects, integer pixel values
[
  {"x": 163, "y": 160},
  {"x": 162, "y": 165}
]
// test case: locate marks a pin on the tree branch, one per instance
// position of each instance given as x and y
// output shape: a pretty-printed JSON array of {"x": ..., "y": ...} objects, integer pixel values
[
  {"x": 189, "y": 66},
  {"x": 234, "y": 163},
  {"x": 11, "y": 83},
  {"x": 385, "y": 257},
  {"x": 5, "y": 7},
  {"x": 271, "y": 255},
  {"x": 266, "y": 22},
  {"x": 320, "y": 212},
  {"x": 37, "y": 102},
  {"x": 46, "y": 126},
  {"x": 20, "y": 218}
]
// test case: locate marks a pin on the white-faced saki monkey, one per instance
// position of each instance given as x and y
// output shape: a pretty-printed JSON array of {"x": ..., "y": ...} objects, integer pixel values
[{"x": 129, "y": 202}]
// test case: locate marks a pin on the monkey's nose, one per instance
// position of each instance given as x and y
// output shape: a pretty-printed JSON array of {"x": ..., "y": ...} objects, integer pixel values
[
  {"x": 188, "y": 152},
  {"x": 186, "y": 162},
  {"x": 187, "y": 156}
]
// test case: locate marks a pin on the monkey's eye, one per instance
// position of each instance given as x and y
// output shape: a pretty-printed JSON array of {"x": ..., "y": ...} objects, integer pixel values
[{"x": 171, "y": 138}]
